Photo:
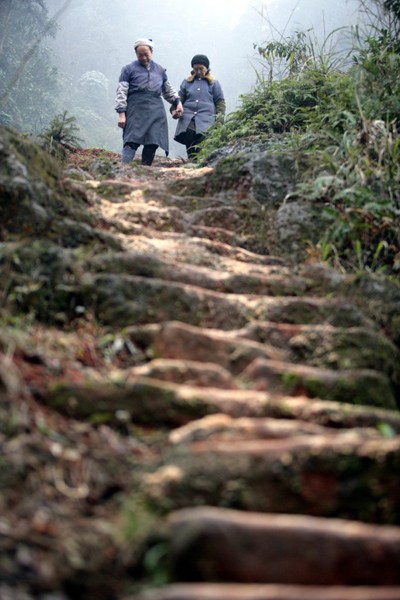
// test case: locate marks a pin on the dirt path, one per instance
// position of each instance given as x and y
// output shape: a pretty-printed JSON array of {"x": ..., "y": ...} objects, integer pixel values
[{"x": 228, "y": 431}]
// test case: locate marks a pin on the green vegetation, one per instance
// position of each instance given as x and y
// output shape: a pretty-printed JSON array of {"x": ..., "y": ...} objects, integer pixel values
[
  {"x": 61, "y": 135},
  {"x": 341, "y": 109}
]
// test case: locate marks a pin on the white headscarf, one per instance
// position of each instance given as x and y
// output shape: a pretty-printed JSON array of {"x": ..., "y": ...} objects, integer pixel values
[{"x": 143, "y": 42}]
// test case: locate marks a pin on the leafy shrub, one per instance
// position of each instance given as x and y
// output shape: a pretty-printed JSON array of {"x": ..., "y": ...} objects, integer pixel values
[
  {"x": 346, "y": 117},
  {"x": 61, "y": 135}
]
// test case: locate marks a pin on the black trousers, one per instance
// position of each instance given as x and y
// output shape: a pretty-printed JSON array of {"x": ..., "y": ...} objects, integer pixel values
[
  {"x": 192, "y": 141},
  {"x": 148, "y": 152}
]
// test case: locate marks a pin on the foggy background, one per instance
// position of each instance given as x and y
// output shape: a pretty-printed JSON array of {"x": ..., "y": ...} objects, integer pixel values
[{"x": 95, "y": 40}]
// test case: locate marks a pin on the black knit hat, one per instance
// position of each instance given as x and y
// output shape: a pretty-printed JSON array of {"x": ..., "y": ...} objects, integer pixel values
[{"x": 200, "y": 59}]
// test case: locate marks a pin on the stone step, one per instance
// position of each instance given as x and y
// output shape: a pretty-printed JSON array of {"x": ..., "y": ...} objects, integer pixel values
[
  {"x": 215, "y": 216},
  {"x": 186, "y": 372},
  {"x": 378, "y": 295},
  {"x": 200, "y": 251},
  {"x": 127, "y": 299},
  {"x": 242, "y": 279},
  {"x": 225, "y": 428},
  {"x": 265, "y": 366},
  {"x": 219, "y": 234},
  {"x": 342, "y": 476},
  {"x": 219, "y": 545},
  {"x": 361, "y": 386},
  {"x": 181, "y": 341},
  {"x": 158, "y": 403},
  {"x": 324, "y": 345},
  {"x": 316, "y": 345},
  {"x": 161, "y": 218},
  {"x": 210, "y": 591}
]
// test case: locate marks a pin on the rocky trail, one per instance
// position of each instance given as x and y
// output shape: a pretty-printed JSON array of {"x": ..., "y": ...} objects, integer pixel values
[{"x": 217, "y": 421}]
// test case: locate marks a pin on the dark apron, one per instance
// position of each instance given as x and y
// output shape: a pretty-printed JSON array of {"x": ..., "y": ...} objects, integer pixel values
[{"x": 146, "y": 120}]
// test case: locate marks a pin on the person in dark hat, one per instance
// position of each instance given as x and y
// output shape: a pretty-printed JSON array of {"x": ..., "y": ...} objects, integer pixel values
[
  {"x": 203, "y": 102},
  {"x": 141, "y": 112}
]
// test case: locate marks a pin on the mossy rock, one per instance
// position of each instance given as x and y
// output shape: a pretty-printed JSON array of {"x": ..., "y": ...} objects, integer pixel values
[
  {"x": 35, "y": 201},
  {"x": 268, "y": 176},
  {"x": 39, "y": 279}
]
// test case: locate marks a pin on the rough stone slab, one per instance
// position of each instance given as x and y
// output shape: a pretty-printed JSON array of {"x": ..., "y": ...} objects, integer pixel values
[
  {"x": 342, "y": 476},
  {"x": 335, "y": 414},
  {"x": 124, "y": 300},
  {"x": 308, "y": 310},
  {"x": 378, "y": 295},
  {"x": 155, "y": 402},
  {"x": 209, "y": 544},
  {"x": 332, "y": 347},
  {"x": 265, "y": 279},
  {"x": 151, "y": 401},
  {"x": 238, "y": 354},
  {"x": 343, "y": 355},
  {"x": 186, "y": 342},
  {"x": 267, "y": 592},
  {"x": 223, "y": 427},
  {"x": 186, "y": 372},
  {"x": 203, "y": 251},
  {"x": 354, "y": 386}
]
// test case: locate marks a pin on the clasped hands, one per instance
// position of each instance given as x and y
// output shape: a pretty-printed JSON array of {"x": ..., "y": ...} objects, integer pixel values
[{"x": 178, "y": 111}]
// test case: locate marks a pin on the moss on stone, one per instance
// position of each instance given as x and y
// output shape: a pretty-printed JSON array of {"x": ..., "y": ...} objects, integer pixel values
[{"x": 367, "y": 389}]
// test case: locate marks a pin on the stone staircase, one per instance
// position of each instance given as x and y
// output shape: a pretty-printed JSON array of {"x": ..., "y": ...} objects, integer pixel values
[
  {"x": 276, "y": 386},
  {"x": 188, "y": 410}
]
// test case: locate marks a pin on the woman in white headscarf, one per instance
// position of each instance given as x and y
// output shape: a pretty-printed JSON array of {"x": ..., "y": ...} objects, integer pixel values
[{"x": 141, "y": 87}]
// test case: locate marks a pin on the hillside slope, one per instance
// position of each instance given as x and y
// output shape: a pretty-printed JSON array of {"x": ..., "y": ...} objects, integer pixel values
[{"x": 186, "y": 411}]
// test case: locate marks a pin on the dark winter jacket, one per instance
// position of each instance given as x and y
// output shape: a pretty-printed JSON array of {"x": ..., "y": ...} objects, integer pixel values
[{"x": 202, "y": 100}]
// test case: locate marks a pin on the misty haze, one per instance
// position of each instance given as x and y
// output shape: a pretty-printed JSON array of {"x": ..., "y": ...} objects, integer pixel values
[{"x": 95, "y": 40}]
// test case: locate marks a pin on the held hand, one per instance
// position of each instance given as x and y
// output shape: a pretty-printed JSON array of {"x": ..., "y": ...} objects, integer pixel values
[
  {"x": 122, "y": 120},
  {"x": 178, "y": 112}
]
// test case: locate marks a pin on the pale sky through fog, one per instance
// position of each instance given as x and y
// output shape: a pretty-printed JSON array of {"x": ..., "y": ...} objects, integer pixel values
[{"x": 228, "y": 12}]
